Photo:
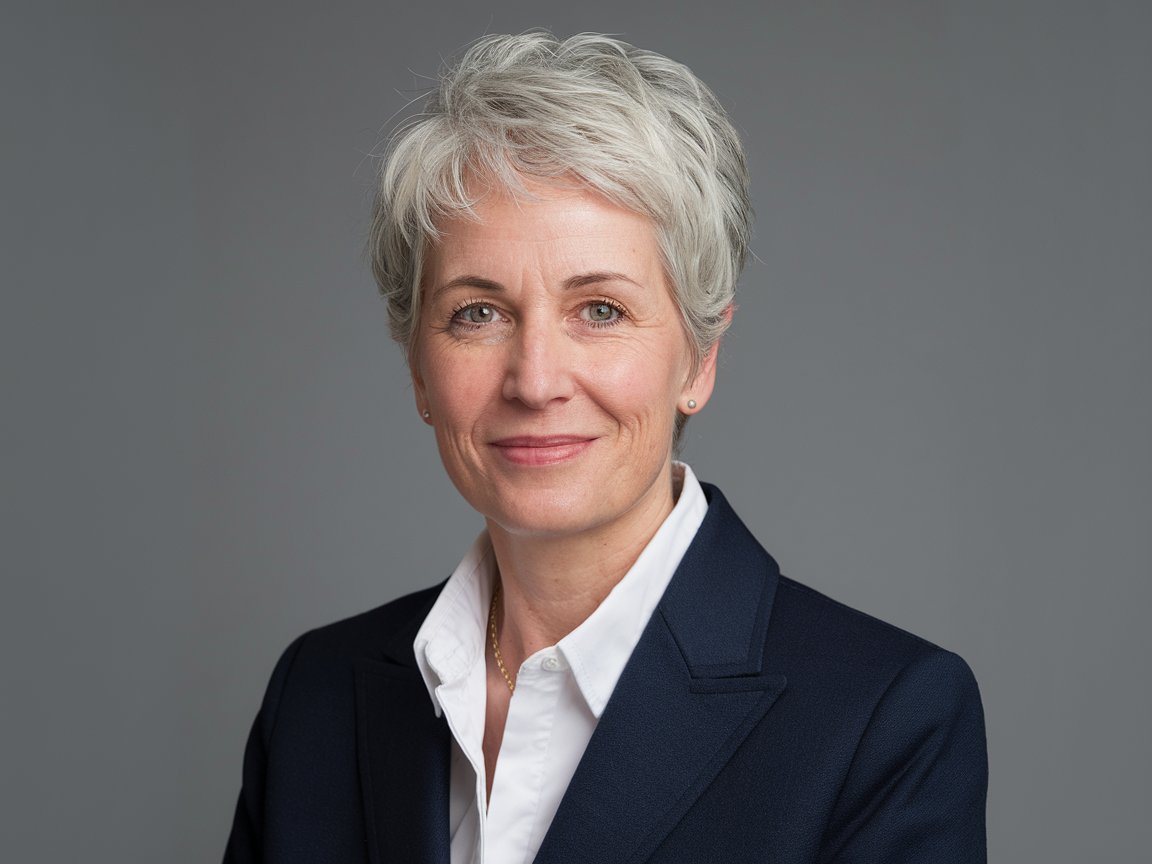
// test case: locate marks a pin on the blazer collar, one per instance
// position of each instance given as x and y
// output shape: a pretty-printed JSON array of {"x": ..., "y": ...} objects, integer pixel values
[{"x": 692, "y": 691}]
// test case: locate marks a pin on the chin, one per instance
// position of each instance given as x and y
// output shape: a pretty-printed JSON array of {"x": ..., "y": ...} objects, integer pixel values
[{"x": 544, "y": 514}]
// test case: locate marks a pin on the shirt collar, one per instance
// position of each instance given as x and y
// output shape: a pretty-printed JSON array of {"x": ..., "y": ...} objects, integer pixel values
[{"x": 452, "y": 638}]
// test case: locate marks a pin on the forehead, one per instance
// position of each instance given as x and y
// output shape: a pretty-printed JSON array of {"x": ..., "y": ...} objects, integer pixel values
[{"x": 560, "y": 221}]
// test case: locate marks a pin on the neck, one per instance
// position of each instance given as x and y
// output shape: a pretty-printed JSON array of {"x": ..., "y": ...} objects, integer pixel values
[{"x": 550, "y": 585}]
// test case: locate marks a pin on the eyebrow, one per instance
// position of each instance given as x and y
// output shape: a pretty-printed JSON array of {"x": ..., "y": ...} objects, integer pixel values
[
  {"x": 597, "y": 276},
  {"x": 581, "y": 280},
  {"x": 468, "y": 281}
]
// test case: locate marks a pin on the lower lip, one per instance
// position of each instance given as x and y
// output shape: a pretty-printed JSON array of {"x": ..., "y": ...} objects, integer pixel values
[{"x": 552, "y": 454}]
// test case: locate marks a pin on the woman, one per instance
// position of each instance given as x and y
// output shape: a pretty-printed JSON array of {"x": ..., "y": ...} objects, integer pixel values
[{"x": 616, "y": 671}]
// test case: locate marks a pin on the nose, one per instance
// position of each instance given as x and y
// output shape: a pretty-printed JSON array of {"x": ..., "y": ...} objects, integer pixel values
[{"x": 540, "y": 367}]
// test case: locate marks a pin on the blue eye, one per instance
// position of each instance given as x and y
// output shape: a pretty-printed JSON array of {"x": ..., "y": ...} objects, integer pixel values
[{"x": 600, "y": 312}]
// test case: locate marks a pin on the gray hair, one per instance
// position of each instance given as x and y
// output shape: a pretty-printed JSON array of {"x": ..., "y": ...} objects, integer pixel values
[{"x": 632, "y": 125}]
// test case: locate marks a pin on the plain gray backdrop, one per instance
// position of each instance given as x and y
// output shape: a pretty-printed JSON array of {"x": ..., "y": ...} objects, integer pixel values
[{"x": 934, "y": 404}]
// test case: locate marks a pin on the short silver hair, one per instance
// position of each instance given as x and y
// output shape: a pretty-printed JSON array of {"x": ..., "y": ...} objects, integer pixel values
[{"x": 632, "y": 125}]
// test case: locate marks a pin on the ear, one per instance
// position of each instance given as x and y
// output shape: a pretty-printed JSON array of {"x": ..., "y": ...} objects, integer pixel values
[{"x": 699, "y": 387}]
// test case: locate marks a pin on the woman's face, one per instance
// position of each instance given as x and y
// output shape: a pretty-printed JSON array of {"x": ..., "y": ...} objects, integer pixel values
[{"x": 552, "y": 360}]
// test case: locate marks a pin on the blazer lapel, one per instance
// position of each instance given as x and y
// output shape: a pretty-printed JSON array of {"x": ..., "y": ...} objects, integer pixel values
[
  {"x": 404, "y": 752},
  {"x": 690, "y": 694}
]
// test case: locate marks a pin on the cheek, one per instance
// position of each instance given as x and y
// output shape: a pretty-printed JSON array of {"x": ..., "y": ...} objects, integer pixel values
[
  {"x": 461, "y": 396},
  {"x": 642, "y": 389},
  {"x": 460, "y": 390}
]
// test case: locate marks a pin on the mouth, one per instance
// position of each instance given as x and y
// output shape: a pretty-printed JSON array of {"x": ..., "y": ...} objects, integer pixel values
[{"x": 541, "y": 450}]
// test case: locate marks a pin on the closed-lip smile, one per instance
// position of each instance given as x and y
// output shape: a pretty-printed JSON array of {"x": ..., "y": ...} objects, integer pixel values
[{"x": 541, "y": 449}]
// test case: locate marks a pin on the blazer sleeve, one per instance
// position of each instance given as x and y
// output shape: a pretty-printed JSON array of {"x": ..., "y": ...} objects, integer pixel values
[
  {"x": 245, "y": 843},
  {"x": 916, "y": 788}
]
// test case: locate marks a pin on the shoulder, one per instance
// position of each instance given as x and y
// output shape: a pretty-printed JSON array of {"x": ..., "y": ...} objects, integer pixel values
[
  {"x": 319, "y": 658},
  {"x": 824, "y": 636},
  {"x": 383, "y": 633},
  {"x": 886, "y": 677},
  {"x": 301, "y": 777},
  {"x": 315, "y": 673},
  {"x": 821, "y": 627},
  {"x": 805, "y": 630},
  {"x": 896, "y": 720},
  {"x": 899, "y": 723}
]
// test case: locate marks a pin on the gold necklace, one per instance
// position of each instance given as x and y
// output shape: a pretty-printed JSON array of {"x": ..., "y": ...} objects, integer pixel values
[{"x": 496, "y": 642}]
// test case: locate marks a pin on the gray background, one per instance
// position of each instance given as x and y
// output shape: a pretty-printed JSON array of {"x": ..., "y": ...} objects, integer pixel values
[{"x": 934, "y": 404}]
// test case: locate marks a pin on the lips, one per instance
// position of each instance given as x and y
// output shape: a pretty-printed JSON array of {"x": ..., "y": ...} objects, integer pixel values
[{"x": 541, "y": 449}]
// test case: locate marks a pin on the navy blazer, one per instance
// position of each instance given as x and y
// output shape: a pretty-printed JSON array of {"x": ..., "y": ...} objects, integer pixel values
[{"x": 757, "y": 720}]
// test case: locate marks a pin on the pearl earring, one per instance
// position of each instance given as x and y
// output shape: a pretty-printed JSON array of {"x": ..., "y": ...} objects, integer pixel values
[
  {"x": 691, "y": 404},
  {"x": 426, "y": 414}
]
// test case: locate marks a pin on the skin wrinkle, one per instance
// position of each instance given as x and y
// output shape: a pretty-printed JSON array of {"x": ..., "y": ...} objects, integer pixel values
[{"x": 557, "y": 376}]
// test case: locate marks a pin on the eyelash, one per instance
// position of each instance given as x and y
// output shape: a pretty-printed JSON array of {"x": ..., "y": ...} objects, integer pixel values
[
  {"x": 455, "y": 319},
  {"x": 621, "y": 312}
]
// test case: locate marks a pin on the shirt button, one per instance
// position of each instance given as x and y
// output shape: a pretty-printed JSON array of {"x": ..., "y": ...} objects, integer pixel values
[{"x": 552, "y": 664}]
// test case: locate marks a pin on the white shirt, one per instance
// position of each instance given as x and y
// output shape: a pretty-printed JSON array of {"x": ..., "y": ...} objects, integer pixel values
[{"x": 560, "y": 694}]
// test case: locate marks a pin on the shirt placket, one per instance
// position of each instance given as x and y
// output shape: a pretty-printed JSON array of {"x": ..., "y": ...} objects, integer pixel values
[{"x": 521, "y": 770}]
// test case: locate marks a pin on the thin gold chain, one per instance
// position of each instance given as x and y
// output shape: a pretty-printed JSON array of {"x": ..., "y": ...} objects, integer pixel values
[{"x": 496, "y": 642}]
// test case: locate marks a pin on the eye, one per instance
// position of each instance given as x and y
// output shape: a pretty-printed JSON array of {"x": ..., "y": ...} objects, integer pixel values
[
  {"x": 601, "y": 312},
  {"x": 477, "y": 313}
]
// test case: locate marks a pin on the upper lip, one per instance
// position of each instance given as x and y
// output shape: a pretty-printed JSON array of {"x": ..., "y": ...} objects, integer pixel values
[{"x": 541, "y": 440}]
